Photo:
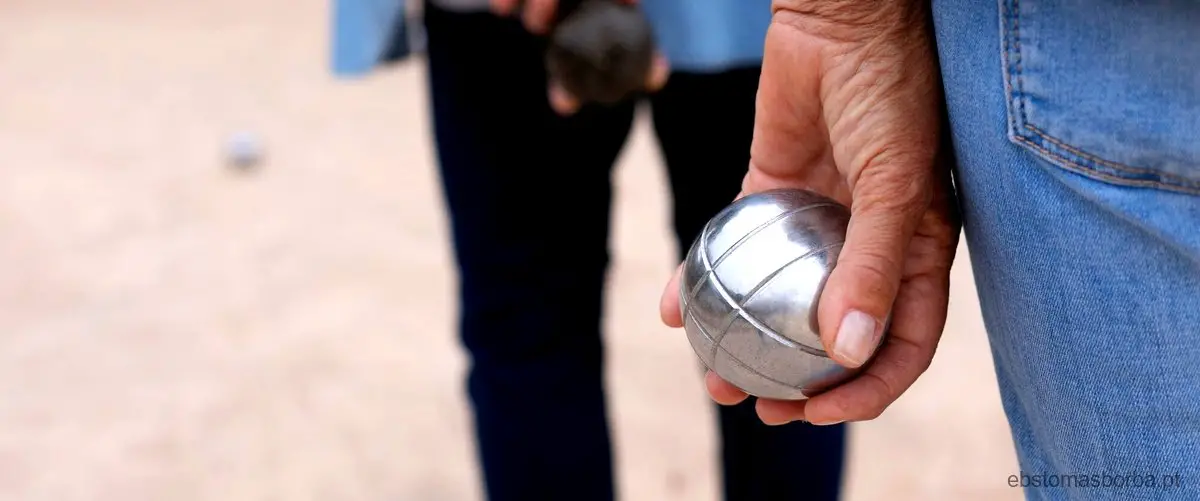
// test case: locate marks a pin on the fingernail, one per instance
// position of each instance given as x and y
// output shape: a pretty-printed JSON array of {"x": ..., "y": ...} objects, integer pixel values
[
  {"x": 829, "y": 423},
  {"x": 856, "y": 338}
]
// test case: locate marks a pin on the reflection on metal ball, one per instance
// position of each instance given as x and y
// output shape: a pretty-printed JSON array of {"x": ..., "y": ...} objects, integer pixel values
[{"x": 749, "y": 293}]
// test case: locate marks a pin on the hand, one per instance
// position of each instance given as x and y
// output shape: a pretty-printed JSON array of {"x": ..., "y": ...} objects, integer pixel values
[
  {"x": 539, "y": 17},
  {"x": 849, "y": 106}
]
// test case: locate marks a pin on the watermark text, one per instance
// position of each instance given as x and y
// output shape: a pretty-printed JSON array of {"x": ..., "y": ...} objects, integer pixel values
[{"x": 1096, "y": 480}]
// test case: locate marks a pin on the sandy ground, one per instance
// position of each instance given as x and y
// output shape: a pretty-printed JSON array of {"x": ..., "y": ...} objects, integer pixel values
[{"x": 170, "y": 330}]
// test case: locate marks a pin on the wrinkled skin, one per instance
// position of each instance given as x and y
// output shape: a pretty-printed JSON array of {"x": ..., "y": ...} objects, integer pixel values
[{"x": 849, "y": 106}]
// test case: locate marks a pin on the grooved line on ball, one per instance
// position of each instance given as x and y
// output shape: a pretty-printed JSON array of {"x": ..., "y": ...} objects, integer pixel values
[
  {"x": 711, "y": 266},
  {"x": 716, "y": 346},
  {"x": 739, "y": 309}
]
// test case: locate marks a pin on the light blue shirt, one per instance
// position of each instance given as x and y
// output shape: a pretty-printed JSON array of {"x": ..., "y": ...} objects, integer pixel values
[{"x": 695, "y": 35}]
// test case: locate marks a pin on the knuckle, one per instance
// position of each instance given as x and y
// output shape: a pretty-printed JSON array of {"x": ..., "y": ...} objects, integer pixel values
[
  {"x": 887, "y": 389},
  {"x": 909, "y": 359},
  {"x": 875, "y": 271},
  {"x": 860, "y": 405}
]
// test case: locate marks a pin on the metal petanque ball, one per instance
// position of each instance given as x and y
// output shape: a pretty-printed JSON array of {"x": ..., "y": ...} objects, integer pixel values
[{"x": 749, "y": 293}]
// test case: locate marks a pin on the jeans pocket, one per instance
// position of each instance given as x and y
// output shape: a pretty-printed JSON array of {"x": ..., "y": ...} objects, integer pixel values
[{"x": 1108, "y": 89}]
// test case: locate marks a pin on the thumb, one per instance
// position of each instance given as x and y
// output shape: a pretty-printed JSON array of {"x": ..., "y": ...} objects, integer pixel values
[{"x": 888, "y": 201}]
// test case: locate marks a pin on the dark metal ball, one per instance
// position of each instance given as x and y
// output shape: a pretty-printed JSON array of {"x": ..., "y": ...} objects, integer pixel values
[
  {"x": 602, "y": 51},
  {"x": 750, "y": 289}
]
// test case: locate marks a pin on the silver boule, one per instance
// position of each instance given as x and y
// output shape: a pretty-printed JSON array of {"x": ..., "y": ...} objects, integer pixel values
[{"x": 749, "y": 293}]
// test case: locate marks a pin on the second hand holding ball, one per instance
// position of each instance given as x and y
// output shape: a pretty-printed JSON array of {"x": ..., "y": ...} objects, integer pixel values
[{"x": 601, "y": 51}]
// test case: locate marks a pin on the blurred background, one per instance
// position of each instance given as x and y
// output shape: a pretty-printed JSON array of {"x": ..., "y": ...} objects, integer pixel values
[{"x": 174, "y": 327}]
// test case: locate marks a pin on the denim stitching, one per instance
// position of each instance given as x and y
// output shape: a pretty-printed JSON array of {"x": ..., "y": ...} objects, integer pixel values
[
  {"x": 1093, "y": 173},
  {"x": 1119, "y": 166},
  {"x": 1083, "y": 163},
  {"x": 1007, "y": 66},
  {"x": 1004, "y": 63},
  {"x": 1020, "y": 72}
]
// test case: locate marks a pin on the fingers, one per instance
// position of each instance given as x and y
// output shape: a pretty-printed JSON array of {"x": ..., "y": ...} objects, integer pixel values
[
  {"x": 900, "y": 362},
  {"x": 918, "y": 318},
  {"x": 561, "y": 101},
  {"x": 660, "y": 72},
  {"x": 539, "y": 15},
  {"x": 861, "y": 399},
  {"x": 906, "y": 355},
  {"x": 777, "y": 412},
  {"x": 668, "y": 305},
  {"x": 721, "y": 391},
  {"x": 903, "y": 358}
]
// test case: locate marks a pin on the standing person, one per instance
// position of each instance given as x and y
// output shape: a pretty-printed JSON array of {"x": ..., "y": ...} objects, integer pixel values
[
  {"x": 529, "y": 191},
  {"x": 1075, "y": 130}
]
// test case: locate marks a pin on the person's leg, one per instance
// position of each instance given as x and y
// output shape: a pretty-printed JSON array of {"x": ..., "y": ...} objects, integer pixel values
[
  {"x": 528, "y": 195},
  {"x": 705, "y": 123},
  {"x": 1076, "y": 127}
]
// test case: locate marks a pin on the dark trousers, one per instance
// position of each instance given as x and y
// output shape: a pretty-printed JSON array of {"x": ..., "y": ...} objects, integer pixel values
[{"x": 528, "y": 194}]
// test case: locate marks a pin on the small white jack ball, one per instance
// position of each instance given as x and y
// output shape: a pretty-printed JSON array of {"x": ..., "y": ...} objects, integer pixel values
[{"x": 244, "y": 150}]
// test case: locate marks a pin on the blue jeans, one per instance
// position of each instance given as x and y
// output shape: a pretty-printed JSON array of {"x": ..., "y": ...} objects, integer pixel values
[
  {"x": 531, "y": 288},
  {"x": 1076, "y": 125}
]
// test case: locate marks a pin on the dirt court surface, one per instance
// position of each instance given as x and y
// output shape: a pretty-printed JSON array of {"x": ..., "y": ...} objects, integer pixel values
[{"x": 171, "y": 330}]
